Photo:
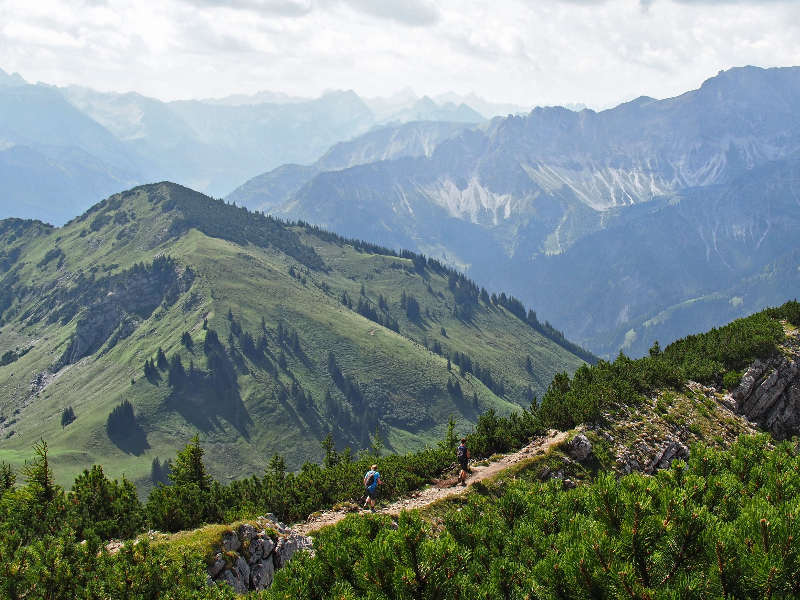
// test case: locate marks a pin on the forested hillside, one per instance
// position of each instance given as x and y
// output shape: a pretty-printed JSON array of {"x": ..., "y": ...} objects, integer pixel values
[
  {"x": 162, "y": 313},
  {"x": 564, "y": 524}
]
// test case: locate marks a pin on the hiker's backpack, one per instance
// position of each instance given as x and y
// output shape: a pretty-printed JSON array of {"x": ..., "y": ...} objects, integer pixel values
[
  {"x": 370, "y": 479},
  {"x": 461, "y": 453}
]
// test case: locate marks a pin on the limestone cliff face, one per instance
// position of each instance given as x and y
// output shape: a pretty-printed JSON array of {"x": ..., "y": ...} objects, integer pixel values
[
  {"x": 249, "y": 557},
  {"x": 117, "y": 315},
  {"x": 769, "y": 394}
]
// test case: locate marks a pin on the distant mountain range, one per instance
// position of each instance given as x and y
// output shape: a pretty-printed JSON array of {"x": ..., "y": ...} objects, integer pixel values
[
  {"x": 621, "y": 227},
  {"x": 75, "y": 146},
  {"x": 648, "y": 221}
]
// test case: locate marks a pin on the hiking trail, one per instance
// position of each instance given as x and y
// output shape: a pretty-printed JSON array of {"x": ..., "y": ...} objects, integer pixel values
[{"x": 440, "y": 488}]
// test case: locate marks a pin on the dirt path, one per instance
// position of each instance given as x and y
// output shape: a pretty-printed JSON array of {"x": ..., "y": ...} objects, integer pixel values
[{"x": 441, "y": 489}]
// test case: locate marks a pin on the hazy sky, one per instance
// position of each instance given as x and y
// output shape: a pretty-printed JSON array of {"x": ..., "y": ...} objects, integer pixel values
[{"x": 523, "y": 51}]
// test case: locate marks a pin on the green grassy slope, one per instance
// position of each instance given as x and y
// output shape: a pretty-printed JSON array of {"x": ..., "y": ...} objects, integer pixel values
[{"x": 84, "y": 306}]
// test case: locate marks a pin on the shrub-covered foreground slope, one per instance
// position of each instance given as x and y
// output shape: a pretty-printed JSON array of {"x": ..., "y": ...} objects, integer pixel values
[
  {"x": 558, "y": 525},
  {"x": 271, "y": 336},
  {"x": 723, "y": 526}
]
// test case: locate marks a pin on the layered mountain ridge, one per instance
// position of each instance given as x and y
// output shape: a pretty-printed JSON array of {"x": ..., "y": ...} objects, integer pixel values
[
  {"x": 502, "y": 201},
  {"x": 213, "y": 145}
]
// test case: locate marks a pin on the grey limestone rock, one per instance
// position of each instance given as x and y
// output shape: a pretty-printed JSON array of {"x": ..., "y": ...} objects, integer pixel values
[
  {"x": 261, "y": 574},
  {"x": 579, "y": 447},
  {"x": 216, "y": 568},
  {"x": 233, "y": 579},
  {"x": 769, "y": 394},
  {"x": 670, "y": 450},
  {"x": 255, "y": 569},
  {"x": 285, "y": 550},
  {"x": 247, "y": 532},
  {"x": 260, "y": 548},
  {"x": 243, "y": 571},
  {"x": 230, "y": 542}
]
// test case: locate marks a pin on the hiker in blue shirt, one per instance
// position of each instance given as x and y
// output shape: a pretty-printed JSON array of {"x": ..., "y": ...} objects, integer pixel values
[{"x": 371, "y": 481}]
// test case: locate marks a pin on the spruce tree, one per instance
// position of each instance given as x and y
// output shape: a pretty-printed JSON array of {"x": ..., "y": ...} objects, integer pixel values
[
  {"x": 331, "y": 455},
  {"x": 7, "y": 477},
  {"x": 189, "y": 467},
  {"x": 39, "y": 477}
]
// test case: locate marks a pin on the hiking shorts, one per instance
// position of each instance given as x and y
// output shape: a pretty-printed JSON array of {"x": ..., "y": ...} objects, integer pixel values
[
  {"x": 373, "y": 494},
  {"x": 464, "y": 464}
]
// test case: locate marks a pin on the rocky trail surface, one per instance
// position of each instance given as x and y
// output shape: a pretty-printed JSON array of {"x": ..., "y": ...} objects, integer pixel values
[{"x": 441, "y": 488}]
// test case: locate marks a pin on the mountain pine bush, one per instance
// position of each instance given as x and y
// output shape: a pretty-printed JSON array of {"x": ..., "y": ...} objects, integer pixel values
[{"x": 724, "y": 525}]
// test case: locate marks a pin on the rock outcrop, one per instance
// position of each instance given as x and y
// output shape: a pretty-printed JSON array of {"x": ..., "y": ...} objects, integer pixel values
[
  {"x": 579, "y": 447},
  {"x": 249, "y": 557},
  {"x": 117, "y": 314},
  {"x": 769, "y": 394},
  {"x": 667, "y": 452}
]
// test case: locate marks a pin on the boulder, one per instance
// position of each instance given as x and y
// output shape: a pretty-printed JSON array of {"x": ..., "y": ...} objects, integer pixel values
[
  {"x": 579, "y": 447},
  {"x": 233, "y": 580},
  {"x": 284, "y": 551},
  {"x": 260, "y": 549},
  {"x": 242, "y": 571},
  {"x": 217, "y": 566},
  {"x": 666, "y": 453}
]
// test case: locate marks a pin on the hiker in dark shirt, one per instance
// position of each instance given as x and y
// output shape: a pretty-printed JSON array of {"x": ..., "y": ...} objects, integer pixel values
[
  {"x": 371, "y": 482},
  {"x": 462, "y": 453}
]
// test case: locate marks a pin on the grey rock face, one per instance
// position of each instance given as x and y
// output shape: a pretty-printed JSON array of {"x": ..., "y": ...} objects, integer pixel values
[
  {"x": 217, "y": 567},
  {"x": 579, "y": 447},
  {"x": 665, "y": 454},
  {"x": 627, "y": 463},
  {"x": 243, "y": 571},
  {"x": 247, "y": 532},
  {"x": 112, "y": 317},
  {"x": 769, "y": 394},
  {"x": 260, "y": 549},
  {"x": 232, "y": 579},
  {"x": 254, "y": 569},
  {"x": 284, "y": 551},
  {"x": 261, "y": 575},
  {"x": 230, "y": 542}
]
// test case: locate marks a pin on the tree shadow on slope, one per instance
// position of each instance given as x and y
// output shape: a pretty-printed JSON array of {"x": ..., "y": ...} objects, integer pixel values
[
  {"x": 207, "y": 398},
  {"x": 124, "y": 431},
  {"x": 205, "y": 401}
]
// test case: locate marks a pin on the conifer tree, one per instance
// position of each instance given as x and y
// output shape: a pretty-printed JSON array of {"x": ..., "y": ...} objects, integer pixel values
[
  {"x": 161, "y": 359},
  {"x": 189, "y": 467},
  {"x": 39, "y": 477},
  {"x": 7, "y": 477},
  {"x": 331, "y": 455}
]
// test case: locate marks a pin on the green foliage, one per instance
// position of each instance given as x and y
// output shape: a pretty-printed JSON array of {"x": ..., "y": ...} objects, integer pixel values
[
  {"x": 121, "y": 419},
  {"x": 731, "y": 380},
  {"x": 789, "y": 312},
  {"x": 107, "y": 509},
  {"x": 189, "y": 468},
  {"x": 7, "y": 477},
  {"x": 236, "y": 224},
  {"x": 722, "y": 526},
  {"x": 716, "y": 357},
  {"x": 495, "y": 434}
]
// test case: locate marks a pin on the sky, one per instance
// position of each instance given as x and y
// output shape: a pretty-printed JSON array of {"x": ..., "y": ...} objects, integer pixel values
[{"x": 529, "y": 52}]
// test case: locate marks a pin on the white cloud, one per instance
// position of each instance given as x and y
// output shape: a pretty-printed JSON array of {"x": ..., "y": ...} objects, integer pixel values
[{"x": 523, "y": 51}]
